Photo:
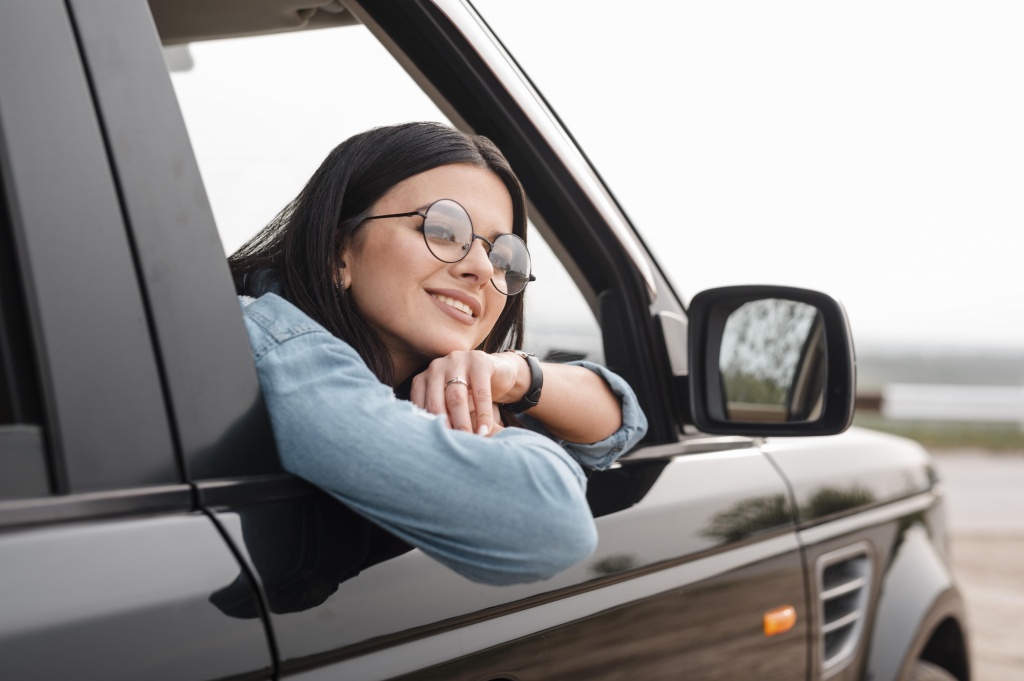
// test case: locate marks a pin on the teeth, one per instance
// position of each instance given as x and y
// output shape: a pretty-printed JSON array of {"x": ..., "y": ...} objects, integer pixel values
[{"x": 458, "y": 305}]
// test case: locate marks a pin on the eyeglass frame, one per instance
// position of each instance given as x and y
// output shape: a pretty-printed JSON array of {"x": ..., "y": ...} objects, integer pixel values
[{"x": 473, "y": 237}]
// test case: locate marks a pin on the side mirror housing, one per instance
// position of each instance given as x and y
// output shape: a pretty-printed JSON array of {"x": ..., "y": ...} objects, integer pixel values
[{"x": 770, "y": 360}]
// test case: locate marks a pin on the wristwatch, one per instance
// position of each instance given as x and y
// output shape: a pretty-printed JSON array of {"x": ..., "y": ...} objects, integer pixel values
[{"x": 532, "y": 396}]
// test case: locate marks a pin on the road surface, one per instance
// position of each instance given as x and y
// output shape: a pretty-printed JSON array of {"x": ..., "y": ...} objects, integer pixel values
[{"x": 985, "y": 505}]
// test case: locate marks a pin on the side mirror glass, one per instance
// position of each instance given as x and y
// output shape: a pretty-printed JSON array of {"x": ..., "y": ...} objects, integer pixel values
[{"x": 770, "y": 360}]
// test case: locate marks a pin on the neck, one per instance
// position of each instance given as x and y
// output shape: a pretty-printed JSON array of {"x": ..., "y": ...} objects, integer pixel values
[{"x": 404, "y": 371}]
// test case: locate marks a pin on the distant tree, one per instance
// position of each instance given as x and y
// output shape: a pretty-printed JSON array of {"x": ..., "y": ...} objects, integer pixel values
[{"x": 761, "y": 349}]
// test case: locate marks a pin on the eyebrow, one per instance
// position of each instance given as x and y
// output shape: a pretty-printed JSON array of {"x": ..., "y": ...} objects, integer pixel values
[{"x": 490, "y": 237}]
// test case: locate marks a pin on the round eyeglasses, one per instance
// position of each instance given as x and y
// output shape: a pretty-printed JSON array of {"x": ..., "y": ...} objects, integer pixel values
[{"x": 448, "y": 233}]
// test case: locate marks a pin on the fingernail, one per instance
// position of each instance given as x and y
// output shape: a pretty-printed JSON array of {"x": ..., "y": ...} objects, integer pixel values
[{"x": 483, "y": 430}]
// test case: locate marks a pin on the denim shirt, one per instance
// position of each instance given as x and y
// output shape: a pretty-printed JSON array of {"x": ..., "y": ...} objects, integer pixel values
[{"x": 499, "y": 510}]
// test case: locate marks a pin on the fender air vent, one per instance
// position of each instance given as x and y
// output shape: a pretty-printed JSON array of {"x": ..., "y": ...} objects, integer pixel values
[{"x": 844, "y": 584}]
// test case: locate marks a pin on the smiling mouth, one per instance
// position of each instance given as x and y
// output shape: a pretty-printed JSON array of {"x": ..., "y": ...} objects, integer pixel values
[{"x": 451, "y": 302}]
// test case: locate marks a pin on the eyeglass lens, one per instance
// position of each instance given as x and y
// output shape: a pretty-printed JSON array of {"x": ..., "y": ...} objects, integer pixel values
[{"x": 448, "y": 232}]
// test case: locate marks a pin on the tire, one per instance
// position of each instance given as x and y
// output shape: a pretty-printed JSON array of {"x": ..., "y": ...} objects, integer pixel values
[{"x": 926, "y": 671}]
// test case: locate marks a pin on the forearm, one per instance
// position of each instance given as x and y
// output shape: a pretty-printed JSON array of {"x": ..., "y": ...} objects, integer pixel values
[{"x": 576, "y": 404}]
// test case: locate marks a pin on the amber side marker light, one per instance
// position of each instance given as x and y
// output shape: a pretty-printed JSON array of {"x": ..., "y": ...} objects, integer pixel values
[{"x": 780, "y": 620}]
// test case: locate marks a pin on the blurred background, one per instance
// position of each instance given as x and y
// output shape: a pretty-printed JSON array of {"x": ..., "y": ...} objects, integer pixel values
[{"x": 871, "y": 150}]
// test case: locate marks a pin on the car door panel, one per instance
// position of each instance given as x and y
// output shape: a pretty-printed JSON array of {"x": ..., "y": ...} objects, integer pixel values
[
  {"x": 106, "y": 571},
  {"x": 123, "y": 599},
  {"x": 339, "y": 594}
]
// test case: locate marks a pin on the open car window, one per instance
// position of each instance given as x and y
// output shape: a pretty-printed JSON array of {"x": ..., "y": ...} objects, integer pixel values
[{"x": 262, "y": 113}]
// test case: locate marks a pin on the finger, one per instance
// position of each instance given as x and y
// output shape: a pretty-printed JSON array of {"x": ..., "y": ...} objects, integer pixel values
[
  {"x": 459, "y": 406},
  {"x": 434, "y": 387},
  {"x": 427, "y": 392},
  {"x": 418, "y": 392},
  {"x": 480, "y": 374},
  {"x": 498, "y": 425}
]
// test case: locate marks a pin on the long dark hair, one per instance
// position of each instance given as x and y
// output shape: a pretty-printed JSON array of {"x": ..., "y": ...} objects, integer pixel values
[{"x": 299, "y": 251}]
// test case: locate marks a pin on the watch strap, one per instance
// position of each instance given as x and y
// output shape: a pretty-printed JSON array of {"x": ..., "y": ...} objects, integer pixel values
[{"x": 532, "y": 396}]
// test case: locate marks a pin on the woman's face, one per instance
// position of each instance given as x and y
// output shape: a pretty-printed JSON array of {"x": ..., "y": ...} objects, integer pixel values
[{"x": 413, "y": 300}]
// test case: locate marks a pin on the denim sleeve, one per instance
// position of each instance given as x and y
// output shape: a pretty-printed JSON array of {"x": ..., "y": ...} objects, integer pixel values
[
  {"x": 500, "y": 510},
  {"x": 600, "y": 455}
]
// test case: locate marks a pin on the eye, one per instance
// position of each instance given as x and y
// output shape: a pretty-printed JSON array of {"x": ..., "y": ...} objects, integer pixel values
[{"x": 439, "y": 232}]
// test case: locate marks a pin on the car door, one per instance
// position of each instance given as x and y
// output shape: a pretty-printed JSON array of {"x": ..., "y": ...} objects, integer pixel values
[{"x": 106, "y": 564}]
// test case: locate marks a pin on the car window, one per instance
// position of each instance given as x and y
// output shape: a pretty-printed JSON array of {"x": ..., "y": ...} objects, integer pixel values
[
  {"x": 559, "y": 325},
  {"x": 263, "y": 112}
]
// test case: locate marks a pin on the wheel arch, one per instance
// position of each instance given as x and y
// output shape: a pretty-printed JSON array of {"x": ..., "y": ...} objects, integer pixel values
[
  {"x": 947, "y": 648},
  {"x": 920, "y": 612}
]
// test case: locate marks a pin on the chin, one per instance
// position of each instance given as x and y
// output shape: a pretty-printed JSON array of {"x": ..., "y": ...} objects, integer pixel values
[{"x": 444, "y": 349}]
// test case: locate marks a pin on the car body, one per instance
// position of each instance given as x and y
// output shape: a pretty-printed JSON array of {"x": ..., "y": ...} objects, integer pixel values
[{"x": 147, "y": 530}]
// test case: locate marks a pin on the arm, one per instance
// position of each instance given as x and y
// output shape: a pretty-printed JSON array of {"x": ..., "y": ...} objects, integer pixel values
[{"x": 498, "y": 510}]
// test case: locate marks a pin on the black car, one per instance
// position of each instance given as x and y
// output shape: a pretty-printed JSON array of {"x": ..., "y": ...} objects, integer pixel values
[{"x": 147, "y": 530}]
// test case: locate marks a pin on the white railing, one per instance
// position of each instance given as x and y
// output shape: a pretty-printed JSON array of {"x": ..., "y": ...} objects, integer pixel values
[{"x": 953, "y": 402}]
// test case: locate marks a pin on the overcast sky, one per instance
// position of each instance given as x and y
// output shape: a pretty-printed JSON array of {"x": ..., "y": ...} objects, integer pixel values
[{"x": 872, "y": 150}]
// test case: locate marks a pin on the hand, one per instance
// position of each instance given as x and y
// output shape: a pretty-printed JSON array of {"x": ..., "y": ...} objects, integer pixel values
[{"x": 470, "y": 407}]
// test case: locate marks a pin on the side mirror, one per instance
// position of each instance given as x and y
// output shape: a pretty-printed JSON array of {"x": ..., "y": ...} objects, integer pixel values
[{"x": 770, "y": 360}]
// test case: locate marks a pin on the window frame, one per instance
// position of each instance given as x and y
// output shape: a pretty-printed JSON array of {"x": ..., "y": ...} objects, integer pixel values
[
  {"x": 213, "y": 400},
  {"x": 24, "y": 464}
]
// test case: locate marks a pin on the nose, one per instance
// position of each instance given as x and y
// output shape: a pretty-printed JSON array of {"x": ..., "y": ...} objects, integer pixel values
[{"x": 477, "y": 263}]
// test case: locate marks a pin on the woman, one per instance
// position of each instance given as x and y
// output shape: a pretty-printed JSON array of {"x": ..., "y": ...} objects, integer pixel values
[{"x": 399, "y": 269}]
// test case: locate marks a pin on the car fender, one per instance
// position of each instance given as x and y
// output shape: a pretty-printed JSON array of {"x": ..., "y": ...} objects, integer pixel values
[{"x": 918, "y": 594}]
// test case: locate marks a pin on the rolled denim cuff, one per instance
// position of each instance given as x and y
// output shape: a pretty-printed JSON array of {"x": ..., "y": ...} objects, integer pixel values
[{"x": 599, "y": 455}]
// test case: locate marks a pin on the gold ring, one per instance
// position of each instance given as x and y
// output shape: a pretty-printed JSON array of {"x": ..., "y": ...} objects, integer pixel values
[{"x": 457, "y": 379}]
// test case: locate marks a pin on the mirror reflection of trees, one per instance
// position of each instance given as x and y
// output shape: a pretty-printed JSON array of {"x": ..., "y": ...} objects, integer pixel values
[{"x": 762, "y": 347}]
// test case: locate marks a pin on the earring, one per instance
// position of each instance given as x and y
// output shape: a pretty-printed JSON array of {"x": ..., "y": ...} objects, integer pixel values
[
  {"x": 339, "y": 281},
  {"x": 342, "y": 282}
]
